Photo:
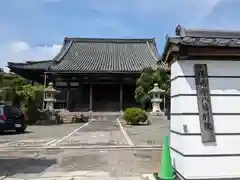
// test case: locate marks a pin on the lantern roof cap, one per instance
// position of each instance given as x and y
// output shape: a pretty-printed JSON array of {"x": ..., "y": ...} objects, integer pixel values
[
  {"x": 156, "y": 89},
  {"x": 50, "y": 88}
]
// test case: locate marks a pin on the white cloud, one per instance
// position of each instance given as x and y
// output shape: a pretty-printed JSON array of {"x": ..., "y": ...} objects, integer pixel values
[
  {"x": 175, "y": 9},
  {"x": 146, "y": 10},
  {"x": 20, "y": 51},
  {"x": 18, "y": 47},
  {"x": 225, "y": 15}
]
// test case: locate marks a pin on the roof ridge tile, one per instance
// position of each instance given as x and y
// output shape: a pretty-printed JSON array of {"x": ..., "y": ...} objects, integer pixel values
[
  {"x": 207, "y": 33},
  {"x": 110, "y": 40}
]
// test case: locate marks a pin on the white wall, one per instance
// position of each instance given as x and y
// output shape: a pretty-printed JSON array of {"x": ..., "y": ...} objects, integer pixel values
[
  {"x": 191, "y": 157},
  {"x": 217, "y": 85},
  {"x": 215, "y": 68},
  {"x": 223, "y": 124},
  {"x": 220, "y": 104},
  {"x": 207, "y": 167}
]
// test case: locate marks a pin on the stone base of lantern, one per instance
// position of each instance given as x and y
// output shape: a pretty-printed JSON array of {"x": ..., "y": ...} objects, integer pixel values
[
  {"x": 156, "y": 111},
  {"x": 159, "y": 113}
]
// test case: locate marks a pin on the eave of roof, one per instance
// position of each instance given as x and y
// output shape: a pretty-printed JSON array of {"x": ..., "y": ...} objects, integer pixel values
[
  {"x": 201, "y": 38},
  {"x": 212, "y": 38},
  {"x": 170, "y": 41},
  {"x": 31, "y": 65}
]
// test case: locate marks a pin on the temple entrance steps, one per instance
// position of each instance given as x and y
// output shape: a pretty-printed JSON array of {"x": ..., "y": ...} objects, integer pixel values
[{"x": 67, "y": 116}]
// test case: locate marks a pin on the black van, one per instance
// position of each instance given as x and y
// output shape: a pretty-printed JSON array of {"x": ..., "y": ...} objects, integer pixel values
[{"x": 12, "y": 118}]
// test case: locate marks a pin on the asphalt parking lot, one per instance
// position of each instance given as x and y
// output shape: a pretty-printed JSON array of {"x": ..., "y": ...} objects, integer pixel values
[
  {"x": 37, "y": 133},
  {"x": 97, "y": 147}
]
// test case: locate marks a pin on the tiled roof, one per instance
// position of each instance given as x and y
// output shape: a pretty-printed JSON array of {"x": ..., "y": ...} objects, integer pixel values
[
  {"x": 100, "y": 55},
  {"x": 207, "y": 33},
  {"x": 202, "y": 38},
  {"x": 32, "y": 65},
  {"x": 207, "y": 37}
]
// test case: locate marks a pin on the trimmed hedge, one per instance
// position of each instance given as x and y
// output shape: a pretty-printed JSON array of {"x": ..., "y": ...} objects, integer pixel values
[{"x": 135, "y": 116}]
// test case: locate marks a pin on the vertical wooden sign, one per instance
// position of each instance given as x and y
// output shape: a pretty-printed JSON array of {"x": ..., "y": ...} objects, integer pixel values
[{"x": 204, "y": 103}]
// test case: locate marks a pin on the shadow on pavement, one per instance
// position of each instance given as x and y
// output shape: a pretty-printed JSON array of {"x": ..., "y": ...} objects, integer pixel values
[
  {"x": 11, "y": 166},
  {"x": 13, "y": 133}
]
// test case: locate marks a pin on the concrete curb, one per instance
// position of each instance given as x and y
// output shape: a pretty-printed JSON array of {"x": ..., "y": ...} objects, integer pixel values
[
  {"x": 148, "y": 177},
  {"x": 78, "y": 175},
  {"x": 79, "y": 147}
]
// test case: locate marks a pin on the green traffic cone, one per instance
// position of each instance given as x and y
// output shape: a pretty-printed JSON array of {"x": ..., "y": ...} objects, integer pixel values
[{"x": 166, "y": 168}]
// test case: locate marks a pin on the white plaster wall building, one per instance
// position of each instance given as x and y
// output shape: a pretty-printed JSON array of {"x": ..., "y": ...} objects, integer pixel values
[{"x": 201, "y": 152}]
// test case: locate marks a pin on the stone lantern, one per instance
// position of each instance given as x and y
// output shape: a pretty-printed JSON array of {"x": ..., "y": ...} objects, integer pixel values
[
  {"x": 156, "y": 100},
  {"x": 49, "y": 97}
]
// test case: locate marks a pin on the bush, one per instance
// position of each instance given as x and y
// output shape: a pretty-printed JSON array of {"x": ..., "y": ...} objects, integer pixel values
[{"x": 135, "y": 116}]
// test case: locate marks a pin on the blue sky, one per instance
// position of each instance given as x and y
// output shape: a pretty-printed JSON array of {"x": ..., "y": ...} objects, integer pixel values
[{"x": 34, "y": 29}]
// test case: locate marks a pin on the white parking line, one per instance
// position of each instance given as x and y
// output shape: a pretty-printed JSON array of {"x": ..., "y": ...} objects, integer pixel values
[
  {"x": 128, "y": 139},
  {"x": 11, "y": 143},
  {"x": 51, "y": 142},
  {"x": 70, "y": 134}
]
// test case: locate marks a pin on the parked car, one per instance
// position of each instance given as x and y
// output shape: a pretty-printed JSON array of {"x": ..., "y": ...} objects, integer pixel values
[{"x": 12, "y": 118}]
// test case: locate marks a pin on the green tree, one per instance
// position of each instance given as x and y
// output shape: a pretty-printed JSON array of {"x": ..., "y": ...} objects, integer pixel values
[
  {"x": 17, "y": 90},
  {"x": 26, "y": 95},
  {"x": 146, "y": 82},
  {"x": 30, "y": 93},
  {"x": 11, "y": 85},
  {"x": 32, "y": 96}
]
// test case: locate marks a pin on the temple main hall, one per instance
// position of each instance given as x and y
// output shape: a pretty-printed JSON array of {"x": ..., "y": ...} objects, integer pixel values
[{"x": 94, "y": 74}]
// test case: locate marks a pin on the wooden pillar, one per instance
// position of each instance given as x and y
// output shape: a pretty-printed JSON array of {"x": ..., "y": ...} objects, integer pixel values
[
  {"x": 121, "y": 98},
  {"x": 90, "y": 97},
  {"x": 68, "y": 98},
  {"x": 45, "y": 86}
]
